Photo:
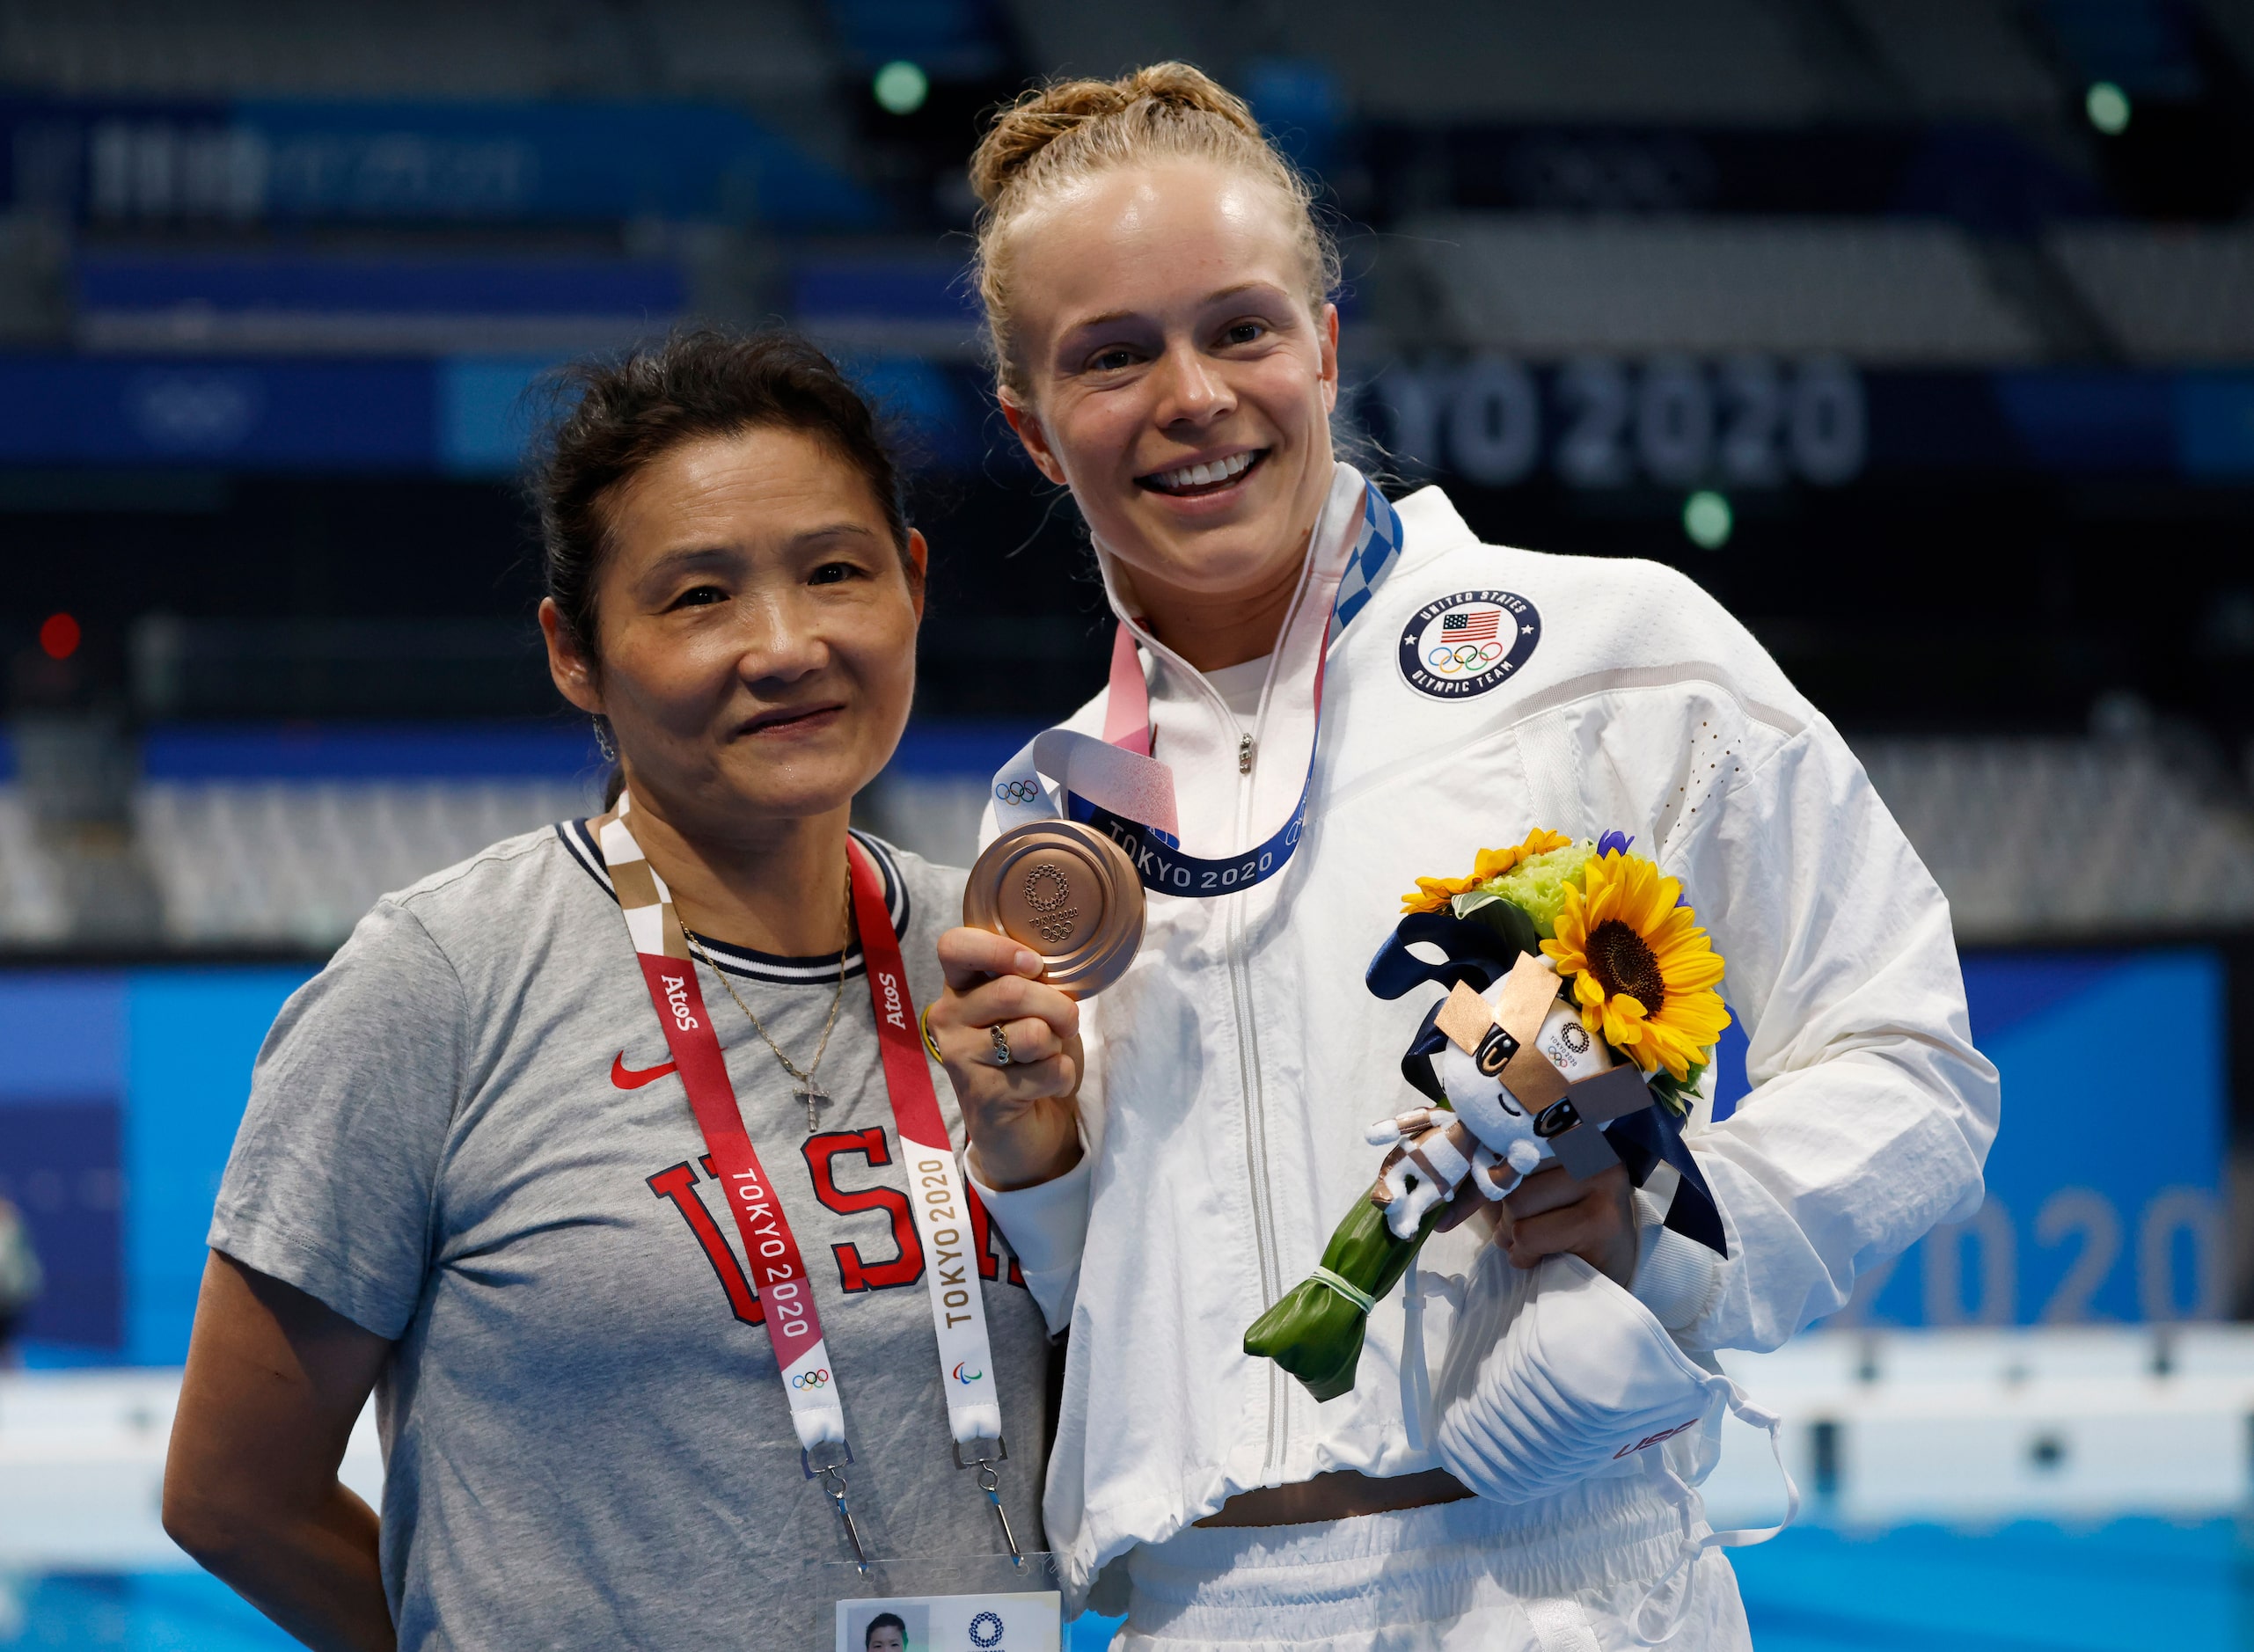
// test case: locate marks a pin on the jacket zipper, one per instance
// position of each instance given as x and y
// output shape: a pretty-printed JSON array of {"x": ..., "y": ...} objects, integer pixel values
[
  {"x": 1271, "y": 1286},
  {"x": 1255, "y": 1124},
  {"x": 1255, "y": 1127}
]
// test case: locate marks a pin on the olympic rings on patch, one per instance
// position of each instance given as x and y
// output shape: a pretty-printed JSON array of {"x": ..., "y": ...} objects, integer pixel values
[
  {"x": 812, "y": 1378},
  {"x": 1017, "y": 791},
  {"x": 1465, "y": 656}
]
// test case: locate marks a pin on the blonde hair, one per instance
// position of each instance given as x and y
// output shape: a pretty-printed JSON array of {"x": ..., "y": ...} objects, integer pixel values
[{"x": 1071, "y": 129}]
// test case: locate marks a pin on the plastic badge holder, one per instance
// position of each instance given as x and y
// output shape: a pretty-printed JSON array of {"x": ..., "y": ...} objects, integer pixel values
[{"x": 950, "y": 1602}]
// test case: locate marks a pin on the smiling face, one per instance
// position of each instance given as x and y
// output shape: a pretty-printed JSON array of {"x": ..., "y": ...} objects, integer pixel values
[
  {"x": 1175, "y": 375},
  {"x": 756, "y": 633}
]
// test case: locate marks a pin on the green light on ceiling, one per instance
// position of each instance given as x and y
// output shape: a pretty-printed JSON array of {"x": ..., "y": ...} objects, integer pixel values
[
  {"x": 901, "y": 87},
  {"x": 2108, "y": 108},
  {"x": 1707, "y": 519}
]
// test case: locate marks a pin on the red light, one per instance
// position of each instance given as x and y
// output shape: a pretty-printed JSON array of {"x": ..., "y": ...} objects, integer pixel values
[{"x": 59, "y": 636}]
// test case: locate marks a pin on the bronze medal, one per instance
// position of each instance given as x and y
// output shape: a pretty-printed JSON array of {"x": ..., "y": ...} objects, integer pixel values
[{"x": 1065, "y": 891}]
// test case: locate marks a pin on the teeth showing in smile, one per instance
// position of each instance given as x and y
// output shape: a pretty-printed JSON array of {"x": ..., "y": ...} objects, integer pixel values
[{"x": 1203, "y": 475}]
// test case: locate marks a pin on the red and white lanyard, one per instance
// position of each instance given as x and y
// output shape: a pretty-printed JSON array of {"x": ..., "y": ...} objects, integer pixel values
[{"x": 936, "y": 1189}]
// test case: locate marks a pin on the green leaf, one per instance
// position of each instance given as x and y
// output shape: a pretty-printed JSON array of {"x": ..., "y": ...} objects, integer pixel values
[{"x": 1508, "y": 921}]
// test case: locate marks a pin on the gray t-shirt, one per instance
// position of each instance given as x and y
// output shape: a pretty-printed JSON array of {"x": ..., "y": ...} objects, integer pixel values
[{"x": 464, "y": 1134}]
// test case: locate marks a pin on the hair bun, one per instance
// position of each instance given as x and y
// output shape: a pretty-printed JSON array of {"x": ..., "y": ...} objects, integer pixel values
[{"x": 1043, "y": 115}]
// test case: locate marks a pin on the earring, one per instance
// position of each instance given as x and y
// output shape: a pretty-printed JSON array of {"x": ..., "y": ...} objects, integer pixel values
[{"x": 604, "y": 743}]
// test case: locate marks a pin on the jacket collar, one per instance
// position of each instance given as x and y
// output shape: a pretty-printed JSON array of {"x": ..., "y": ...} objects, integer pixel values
[
  {"x": 1430, "y": 526},
  {"x": 1334, "y": 537}
]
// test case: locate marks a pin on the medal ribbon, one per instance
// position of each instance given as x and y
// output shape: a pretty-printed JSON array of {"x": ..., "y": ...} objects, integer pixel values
[
  {"x": 936, "y": 1189},
  {"x": 1116, "y": 786}
]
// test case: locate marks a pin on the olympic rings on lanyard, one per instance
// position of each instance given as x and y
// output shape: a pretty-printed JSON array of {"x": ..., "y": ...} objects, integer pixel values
[
  {"x": 811, "y": 1379},
  {"x": 1017, "y": 791}
]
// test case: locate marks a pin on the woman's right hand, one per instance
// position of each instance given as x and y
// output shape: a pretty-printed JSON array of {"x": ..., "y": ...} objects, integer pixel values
[{"x": 1023, "y": 1118}]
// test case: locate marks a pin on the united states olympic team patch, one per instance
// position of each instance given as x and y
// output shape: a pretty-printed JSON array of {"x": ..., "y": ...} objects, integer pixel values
[{"x": 1468, "y": 643}]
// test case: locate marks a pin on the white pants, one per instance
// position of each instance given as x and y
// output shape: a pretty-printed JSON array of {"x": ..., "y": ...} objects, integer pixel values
[{"x": 1564, "y": 1575}]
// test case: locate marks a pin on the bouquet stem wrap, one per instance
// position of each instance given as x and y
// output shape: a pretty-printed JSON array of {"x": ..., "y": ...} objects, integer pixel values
[{"x": 1314, "y": 1330}]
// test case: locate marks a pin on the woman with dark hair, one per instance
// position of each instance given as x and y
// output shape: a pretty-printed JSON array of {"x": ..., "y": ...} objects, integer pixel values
[{"x": 609, "y": 1160}]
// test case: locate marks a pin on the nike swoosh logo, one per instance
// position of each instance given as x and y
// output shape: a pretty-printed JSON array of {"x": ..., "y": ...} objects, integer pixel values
[{"x": 627, "y": 1078}]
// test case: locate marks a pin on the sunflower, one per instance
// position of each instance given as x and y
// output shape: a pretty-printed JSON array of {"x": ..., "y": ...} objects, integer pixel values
[
  {"x": 1431, "y": 893},
  {"x": 1643, "y": 972}
]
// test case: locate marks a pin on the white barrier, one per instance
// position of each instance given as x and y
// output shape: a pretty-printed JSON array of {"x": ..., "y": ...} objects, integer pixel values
[
  {"x": 82, "y": 1470},
  {"x": 1976, "y": 1425},
  {"x": 1971, "y": 1426}
]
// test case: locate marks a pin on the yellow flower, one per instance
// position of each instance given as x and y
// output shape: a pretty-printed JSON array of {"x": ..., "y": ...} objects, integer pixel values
[
  {"x": 1431, "y": 893},
  {"x": 1642, "y": 971}
]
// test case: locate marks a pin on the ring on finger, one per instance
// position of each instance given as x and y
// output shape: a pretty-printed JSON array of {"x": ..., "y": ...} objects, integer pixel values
[{"x": 1002, "y": 1056}]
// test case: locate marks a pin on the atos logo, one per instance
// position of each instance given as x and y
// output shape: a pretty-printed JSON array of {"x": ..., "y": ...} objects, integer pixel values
[{"x": 677, "y": 996}]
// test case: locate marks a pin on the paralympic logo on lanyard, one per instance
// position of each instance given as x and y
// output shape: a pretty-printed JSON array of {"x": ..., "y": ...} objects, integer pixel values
[{"x": 1114, "y": 786}]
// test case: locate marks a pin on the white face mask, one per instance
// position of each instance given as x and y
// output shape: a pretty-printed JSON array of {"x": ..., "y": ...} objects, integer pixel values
[{"x": 1557, "y": 1375}]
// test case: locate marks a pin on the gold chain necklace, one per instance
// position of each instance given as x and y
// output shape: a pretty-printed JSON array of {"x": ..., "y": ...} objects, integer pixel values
[{"x": 809, "y": 1091}]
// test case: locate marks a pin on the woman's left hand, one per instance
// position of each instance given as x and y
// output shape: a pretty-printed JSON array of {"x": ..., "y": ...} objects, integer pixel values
[{"x": 1550, "y": 1214}]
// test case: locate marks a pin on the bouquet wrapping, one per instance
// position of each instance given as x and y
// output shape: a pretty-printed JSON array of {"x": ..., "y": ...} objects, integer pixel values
[{"x": 1581, "y": 1014}]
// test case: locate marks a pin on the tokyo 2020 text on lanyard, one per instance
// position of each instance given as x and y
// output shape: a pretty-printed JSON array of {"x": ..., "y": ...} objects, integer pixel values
[
  {"x": 811, "y": 1383},
  {"x": 1115, "y": 785}
]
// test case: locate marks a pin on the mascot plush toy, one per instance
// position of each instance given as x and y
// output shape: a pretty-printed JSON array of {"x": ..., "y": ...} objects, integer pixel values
[{"x": 1516, "y": 1079}]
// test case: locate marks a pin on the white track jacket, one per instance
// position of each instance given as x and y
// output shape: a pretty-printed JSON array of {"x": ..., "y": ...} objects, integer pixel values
[{"x": 1232, "y": 1070}]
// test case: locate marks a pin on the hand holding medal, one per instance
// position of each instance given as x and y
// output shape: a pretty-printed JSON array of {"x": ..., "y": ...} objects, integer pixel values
[{"x": 1051, "y": 914}]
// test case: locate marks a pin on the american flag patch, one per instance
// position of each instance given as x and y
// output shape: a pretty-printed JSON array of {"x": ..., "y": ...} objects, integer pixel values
[{"x": 1463, "y": 626}]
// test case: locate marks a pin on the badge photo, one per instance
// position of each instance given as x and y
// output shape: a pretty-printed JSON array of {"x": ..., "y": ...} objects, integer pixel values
[
  {"x": 1032, "y": 1621},
  {"x": 1466, "y": 644}
]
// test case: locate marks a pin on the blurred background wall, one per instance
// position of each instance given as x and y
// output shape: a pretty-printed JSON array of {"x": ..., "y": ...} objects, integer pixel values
[{"x": 1921, "y": 332}]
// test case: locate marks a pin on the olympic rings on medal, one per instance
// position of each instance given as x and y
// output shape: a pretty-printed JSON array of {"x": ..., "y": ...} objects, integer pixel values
[
  {"x": 1017, "y": 791},
  {"x": 818, "y": 1379},
  {"x": 1002, "y": 1056}
]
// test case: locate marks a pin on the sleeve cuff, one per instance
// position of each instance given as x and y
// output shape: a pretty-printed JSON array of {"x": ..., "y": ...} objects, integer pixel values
[
  {"x": 1047, "y": 1226},
  {"x": 1675, "y": 1276}
]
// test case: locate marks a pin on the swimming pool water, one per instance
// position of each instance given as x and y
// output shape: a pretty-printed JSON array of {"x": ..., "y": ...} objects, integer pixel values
[{"x": 2125, "y": 1585}]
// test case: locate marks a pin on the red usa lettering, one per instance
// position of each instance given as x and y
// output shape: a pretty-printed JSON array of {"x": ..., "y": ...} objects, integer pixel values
[
  {"x": 677, "y": 995},
  {"x": 1649, "y": 1441}
]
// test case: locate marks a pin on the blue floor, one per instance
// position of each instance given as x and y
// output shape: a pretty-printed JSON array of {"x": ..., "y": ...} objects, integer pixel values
[{"x": 2126, "y": 1586}]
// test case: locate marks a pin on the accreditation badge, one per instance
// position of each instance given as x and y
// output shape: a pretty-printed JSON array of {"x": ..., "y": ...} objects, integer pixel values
[
  {"x": 1031, "y": 1622},
  {"x": 946, "y": 1603}
]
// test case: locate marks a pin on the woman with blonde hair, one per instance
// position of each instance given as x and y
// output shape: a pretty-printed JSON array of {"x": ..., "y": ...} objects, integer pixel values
[{"x": 1168, "y": 1158}]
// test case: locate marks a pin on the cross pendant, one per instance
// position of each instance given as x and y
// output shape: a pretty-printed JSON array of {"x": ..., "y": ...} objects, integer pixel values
[{"x": 816, "y": 1100}]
